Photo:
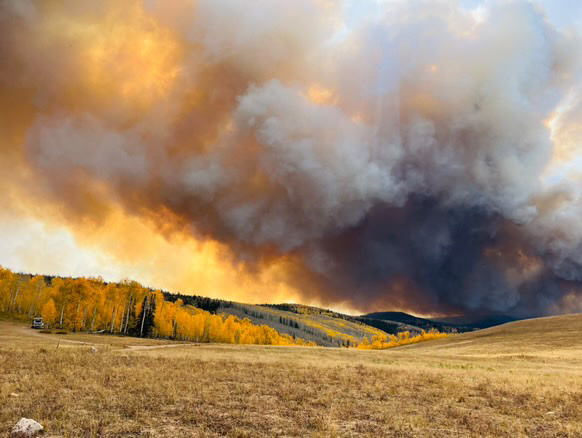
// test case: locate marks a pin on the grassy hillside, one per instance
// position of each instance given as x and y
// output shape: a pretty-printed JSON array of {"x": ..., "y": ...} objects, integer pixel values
[
  {"x": 519, "y": 380},
  {"x": 325, "y": 328},
  {"x": 549, "y": 336}
]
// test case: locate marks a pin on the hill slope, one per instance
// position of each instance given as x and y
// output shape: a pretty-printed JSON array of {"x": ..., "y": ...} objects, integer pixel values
[
  {"x": 476, "y": 322},
  {"x": 550, "y": 336},
  {"x": 323, "y": 327}
]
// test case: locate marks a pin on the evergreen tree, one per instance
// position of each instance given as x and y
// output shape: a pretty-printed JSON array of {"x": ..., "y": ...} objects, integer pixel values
[{"x": 148, "y": 330}]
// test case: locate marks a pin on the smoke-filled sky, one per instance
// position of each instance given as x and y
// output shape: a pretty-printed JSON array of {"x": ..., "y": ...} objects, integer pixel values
[{"x": 421, "y": 155}]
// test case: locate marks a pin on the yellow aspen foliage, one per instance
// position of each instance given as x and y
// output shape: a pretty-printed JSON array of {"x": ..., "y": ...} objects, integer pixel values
[
  {"x": 49, "y": 312},
  {"x": 89, "y": 304},
  {"x": 403, "y": 338}
]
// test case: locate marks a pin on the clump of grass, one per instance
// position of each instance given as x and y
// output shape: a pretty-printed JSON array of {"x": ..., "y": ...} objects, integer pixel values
[{"x": 62, "y": 332}]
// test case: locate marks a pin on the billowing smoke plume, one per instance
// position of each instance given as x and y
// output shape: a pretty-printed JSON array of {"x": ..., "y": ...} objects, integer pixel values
[{"x": 405, "y": 154}]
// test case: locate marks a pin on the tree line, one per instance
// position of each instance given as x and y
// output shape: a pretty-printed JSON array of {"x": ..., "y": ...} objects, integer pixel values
[
  {"x": 128, "y": 308},
  {"x": 90, "y": 304},
  {"x": 402, "y": 338}
]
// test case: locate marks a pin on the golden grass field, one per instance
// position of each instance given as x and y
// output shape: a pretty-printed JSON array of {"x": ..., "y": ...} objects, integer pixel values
[{"x": 518, "y": 380}]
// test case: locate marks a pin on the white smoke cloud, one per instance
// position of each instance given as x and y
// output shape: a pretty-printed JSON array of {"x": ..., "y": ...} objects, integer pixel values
[{"x": 286, "y": 123}]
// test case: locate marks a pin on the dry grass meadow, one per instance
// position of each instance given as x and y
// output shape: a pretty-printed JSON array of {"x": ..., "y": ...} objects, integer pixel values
[{"x": 518, "y": 380}]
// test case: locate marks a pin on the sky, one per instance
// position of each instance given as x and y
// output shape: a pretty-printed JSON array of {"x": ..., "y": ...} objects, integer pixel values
[{"x": 416, "y": 155}]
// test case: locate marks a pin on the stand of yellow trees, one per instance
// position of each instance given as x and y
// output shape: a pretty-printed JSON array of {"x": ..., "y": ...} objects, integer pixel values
[
  {"x": 403, "y": 338},
  {"x": 125, "y": 308}
]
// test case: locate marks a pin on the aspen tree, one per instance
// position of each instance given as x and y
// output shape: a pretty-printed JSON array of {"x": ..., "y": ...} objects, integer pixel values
[{"x": 49, "y": 312}]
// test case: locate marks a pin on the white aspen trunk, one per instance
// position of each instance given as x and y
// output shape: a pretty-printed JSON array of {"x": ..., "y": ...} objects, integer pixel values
[
  {"x": 13, "y": 305},
  {"x": 94, "y": 316},
  {"x": 127, "y": 315},
  {"x": 113, "y": 319},
  {"x": 144, "y": 310},
  {"x": 122, "y": 316},
  {"x": 33, "y": 305},
  {"x": 10, "y": 299},
  {"x": 76, "y": 315},
  {"x": 62, "y": 314}
]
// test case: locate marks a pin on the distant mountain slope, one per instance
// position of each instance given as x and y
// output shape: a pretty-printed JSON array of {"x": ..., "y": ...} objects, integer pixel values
[
  {"x": 415, "y": 323},
  {"x": 387, "y": 327},
  {"x": 324, "y": 327},
  {"x": 551, "y": 336}
]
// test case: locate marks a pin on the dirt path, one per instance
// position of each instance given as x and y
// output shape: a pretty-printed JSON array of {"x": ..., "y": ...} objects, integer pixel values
[
  {"x": 152, "y": 347},
  {"x": 26, "y": 331},
  {"x": 29, "y": 332}
]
